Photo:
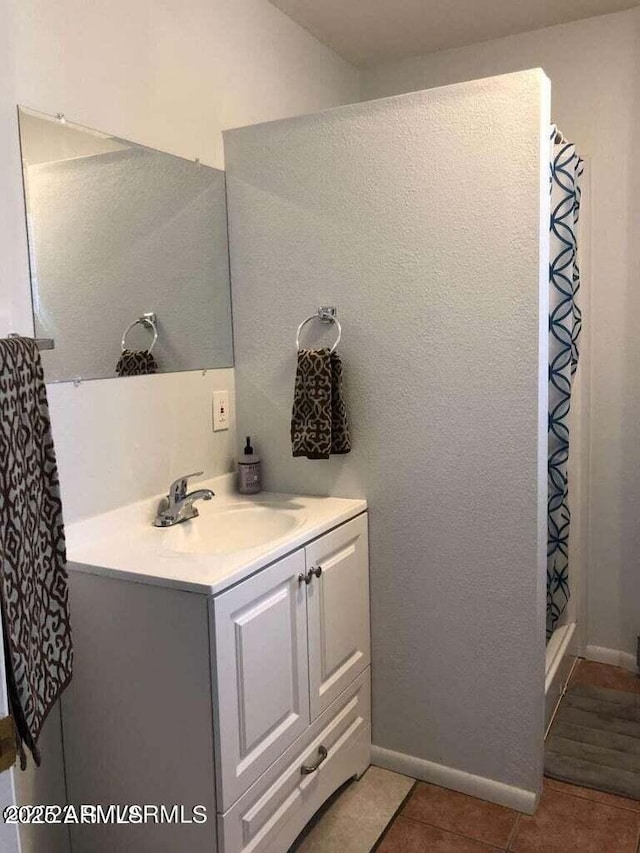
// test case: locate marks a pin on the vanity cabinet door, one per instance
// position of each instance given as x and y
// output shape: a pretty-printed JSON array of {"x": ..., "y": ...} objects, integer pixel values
[
  {"x": 261, "y": 686},
  {"x": 338, "y": 611}
]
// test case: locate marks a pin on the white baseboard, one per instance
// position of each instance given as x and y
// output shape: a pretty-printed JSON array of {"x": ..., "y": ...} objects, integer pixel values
[
  {"x": 559, "y": 663},
  {"x": 559, "y": 646},
  {"x": 457, "y": 780},
  {"x": 612, "y": 657}
]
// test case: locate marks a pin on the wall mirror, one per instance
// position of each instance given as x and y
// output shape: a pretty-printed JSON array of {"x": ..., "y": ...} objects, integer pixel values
[{"x": 127, "y": 251}]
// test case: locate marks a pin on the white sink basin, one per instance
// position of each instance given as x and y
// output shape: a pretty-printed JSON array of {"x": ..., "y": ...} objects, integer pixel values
[
  {"x": 234, "y": 536},
  {"x": 235, "y": 527}
]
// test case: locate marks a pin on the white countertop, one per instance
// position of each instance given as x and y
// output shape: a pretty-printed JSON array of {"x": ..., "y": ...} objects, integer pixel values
[{"x": 124, "y": 543}]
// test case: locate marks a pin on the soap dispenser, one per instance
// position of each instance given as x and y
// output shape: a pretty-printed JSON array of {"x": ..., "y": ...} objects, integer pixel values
[{"x": 249, "y": 471}]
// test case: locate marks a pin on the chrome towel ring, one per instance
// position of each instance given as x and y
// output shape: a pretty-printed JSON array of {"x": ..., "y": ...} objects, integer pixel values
[
  {"x": 325, "y": 314},
  {"x": 148, "y": 320}
]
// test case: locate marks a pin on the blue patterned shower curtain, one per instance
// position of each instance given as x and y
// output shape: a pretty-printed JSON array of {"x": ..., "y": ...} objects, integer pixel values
[{"x": 564, "y": 331}]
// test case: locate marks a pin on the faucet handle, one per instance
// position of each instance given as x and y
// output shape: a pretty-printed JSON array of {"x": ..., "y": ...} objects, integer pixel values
[{"x": 178, "y": 489}]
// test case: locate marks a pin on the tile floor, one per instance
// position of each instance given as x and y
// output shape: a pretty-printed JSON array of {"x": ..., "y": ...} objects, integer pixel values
[
  {"x": 568, "y": 820},
  {"x": 435, "y": 820},
  {"x": 352, "y": 821},
  {"x": 603, "y": 675}
]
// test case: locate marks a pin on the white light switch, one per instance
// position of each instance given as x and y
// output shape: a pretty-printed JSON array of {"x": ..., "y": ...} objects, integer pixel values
[{"x": 220, "y": 410}]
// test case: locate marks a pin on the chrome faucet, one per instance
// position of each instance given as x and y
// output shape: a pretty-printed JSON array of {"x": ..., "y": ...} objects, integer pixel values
[{"x": 178, "y": 504}]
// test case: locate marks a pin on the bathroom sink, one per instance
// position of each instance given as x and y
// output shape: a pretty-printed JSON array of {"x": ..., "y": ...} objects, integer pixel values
[
  {"x": 234, "y": 527},
  {"x": 233, "y": 536}
]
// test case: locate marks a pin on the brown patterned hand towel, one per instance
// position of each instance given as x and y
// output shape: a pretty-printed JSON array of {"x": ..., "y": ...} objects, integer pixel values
[
  {"x": 33, "y": 577},
  {"x": 319, "y": 425},
  {"x": 136, "y": 363},
  {"x": 340, "y": 437}
]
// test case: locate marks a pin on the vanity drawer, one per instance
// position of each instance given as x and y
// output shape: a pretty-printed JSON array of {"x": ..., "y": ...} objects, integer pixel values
[{"x": 276, "y": 808}]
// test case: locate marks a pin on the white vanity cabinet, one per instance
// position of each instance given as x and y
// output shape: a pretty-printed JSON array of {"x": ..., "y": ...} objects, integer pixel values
[
  {"x": 337, "y": 612},
  {"x": 253, "y": 701},
  {"x": 261, "y": 677},
  {"x": 287, "y": 643}
]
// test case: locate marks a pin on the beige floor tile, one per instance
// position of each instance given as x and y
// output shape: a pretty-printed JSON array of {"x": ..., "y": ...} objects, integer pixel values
[{"x": 357, "y": 818}]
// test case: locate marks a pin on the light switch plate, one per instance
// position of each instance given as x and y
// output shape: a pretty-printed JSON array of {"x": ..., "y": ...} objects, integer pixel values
[{"x": 220, "y": 410}]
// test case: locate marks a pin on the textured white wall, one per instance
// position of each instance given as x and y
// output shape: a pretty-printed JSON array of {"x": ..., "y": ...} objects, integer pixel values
[
  {"x": 161, "y": 427},
  {"x": 169, "y": 75},
  {"x": 419, "y": 217},
  {"x": 594, "y": 67}
]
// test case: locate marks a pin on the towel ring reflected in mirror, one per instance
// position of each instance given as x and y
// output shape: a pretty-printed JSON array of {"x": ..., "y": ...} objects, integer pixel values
[
  {"x": 147, "y": 320},
  {"x": 325, "y": 315}
]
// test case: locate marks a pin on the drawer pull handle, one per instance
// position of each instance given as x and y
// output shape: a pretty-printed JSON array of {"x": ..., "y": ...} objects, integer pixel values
[{"x": 306, "y": 769}]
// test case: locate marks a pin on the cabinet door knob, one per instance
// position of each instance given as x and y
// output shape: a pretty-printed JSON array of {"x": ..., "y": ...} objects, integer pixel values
[
  {"x": 306, "y": 577},
  {"x": 317, "y": 571},
  {"x": 306, "y": 769}
]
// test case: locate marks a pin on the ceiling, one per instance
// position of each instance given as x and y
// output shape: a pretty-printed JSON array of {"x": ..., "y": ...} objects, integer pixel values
[{"x": 369, "y": 31}]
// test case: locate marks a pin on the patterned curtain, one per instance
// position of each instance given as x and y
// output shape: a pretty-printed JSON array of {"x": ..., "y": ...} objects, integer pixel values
[{"x": 564, "y": 331}]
